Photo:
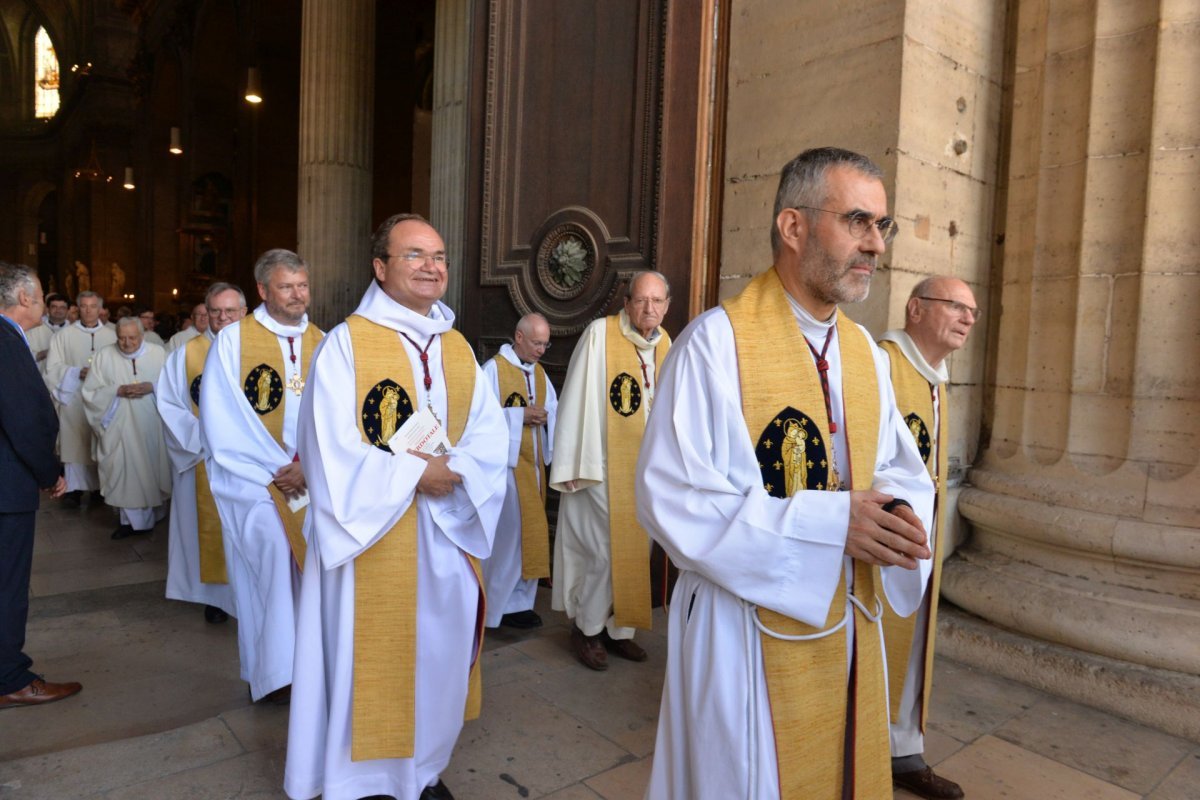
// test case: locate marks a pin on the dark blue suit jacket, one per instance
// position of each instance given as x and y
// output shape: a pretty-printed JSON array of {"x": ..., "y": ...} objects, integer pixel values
[{"x": 28, "y": 426}]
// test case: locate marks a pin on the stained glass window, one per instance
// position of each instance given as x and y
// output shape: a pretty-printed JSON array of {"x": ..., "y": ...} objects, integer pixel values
[{"x": 45, "y": 90}]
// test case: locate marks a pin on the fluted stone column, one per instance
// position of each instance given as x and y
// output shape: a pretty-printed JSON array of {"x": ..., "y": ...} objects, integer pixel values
[
  {"x": 337, "y": 98},
  {"x": 1084, "y": 513},
  {"x": 448, "y": 189}
]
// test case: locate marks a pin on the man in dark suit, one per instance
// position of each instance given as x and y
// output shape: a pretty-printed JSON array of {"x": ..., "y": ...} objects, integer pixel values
[{"x": 28, "y": 427}]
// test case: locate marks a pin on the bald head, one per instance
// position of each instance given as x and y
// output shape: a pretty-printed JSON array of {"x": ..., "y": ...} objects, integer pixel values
[
  {"x": 532, "y": 338},
  {"x": 939, "y": 316}
]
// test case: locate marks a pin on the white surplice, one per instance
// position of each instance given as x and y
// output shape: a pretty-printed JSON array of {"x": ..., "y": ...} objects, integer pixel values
[
  {"x": 582, "y": 541},
  {"x": 180, "y": 339},
  {"x": 243, "y": 458},
  {"x": 185, "y": 447},
  {"x": 507, "y": 591},
  {"x": 132, "y": 458},
  {"x": 358, "y": 493},
  {"x": 39, "y": 343},
  {"x": 700, "y": 494},
  {"x": 72, "y": 349}
]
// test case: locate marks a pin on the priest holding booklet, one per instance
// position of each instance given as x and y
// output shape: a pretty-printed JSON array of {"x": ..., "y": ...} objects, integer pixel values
[{"x": 391, "y": 604}]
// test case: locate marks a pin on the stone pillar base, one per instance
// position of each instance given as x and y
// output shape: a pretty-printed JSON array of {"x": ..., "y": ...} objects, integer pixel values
[{"x": 1158, "y": 698}]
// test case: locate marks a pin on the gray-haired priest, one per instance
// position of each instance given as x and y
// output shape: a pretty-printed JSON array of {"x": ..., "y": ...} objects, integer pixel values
[
  {"x": 391, "y": 608},
  {"x": 118, "y": 397},
  {"x": 777, "y": 474},
  {"x": 254, "y": 376}
]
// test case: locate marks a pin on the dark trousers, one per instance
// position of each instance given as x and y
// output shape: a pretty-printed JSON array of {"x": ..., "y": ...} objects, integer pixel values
[{"x": 16, "y": 562}]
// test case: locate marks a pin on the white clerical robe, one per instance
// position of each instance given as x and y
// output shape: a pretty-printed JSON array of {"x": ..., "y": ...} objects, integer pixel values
[
  {"x": 72, "y": 349},
  {"x": 507, "y": 592},
  {"x": 358, "y": 493},
  {"x": 700, "y": 495},
  {"x": 906, "y": 736},
  {"x": 180, "y": 339},
  {"x": 39, "y": 343},
  {"x": 135, "y": 473},
  {"x": 582, "y": 543},
  {"x": 185, "y": 446},
  {"x": 243, "y": 458}
]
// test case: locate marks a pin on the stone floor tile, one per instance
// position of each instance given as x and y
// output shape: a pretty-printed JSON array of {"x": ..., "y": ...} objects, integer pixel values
[
  {"x": 939, "y": 746},
  {"x": 1183, "y": 783},
  {"x": 1119, "y": 752},
  {"x": 523, "y": 741},
  {"x": 253, "y": 775},
  {"x": 620, "y": 703},
  {"x": 576, "y": 792},
  {"x": 114, "y": 766},
  {"x": 991, "y": 769},
  {"x": 72, "y": 580},
  {"x": 626, "y": 782},
  {"x": 262, "y": 726},
  {"x": 968, "y": 703},
  {"x": 552, "y": 650},
  {"x": 62, "y": 560}
]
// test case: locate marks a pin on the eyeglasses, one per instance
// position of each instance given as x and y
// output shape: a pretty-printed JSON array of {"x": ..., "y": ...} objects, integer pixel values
[
  {"x": 413, "y": 256},
  {"x": 648, "y": 302},
  {"x": 536, "y": 345},
  {"x": 231, "y": 313},
  {"x": 859, "y": 222},
  {"x": 957, "y": 307}
]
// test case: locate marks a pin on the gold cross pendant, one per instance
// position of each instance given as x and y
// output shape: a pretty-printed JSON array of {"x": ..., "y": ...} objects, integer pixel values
[{"x": 296, "y": 384}]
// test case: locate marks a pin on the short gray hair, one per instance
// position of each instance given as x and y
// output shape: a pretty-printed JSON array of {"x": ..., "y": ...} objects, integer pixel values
[
  {"x": 637, "y": 275},
  {"x": 222, "y": 286},
  {"x": 802, "y": 182},
  {"x": 14, "y": 279},
  {"x": 131, "y": 321},
  {"x": 82, "y": 295},
  {"x": 269, "y": 261}
]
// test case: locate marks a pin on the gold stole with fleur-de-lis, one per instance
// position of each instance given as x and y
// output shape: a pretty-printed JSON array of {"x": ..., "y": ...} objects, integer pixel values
[{"x": 530, "y": 477}]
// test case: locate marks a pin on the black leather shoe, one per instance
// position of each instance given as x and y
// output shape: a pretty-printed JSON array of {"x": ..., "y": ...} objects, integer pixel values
[
  {"x": 522, "y": 620},
  {"x": 925, "y": 783},
  {"x": 437, "y": 792},
  {"x": 625, "y": 648},
  {"x": 214, "y": 615}
]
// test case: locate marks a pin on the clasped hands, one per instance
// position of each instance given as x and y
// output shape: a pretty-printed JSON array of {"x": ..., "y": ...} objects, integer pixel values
[
  {"x": 884, "y": 538},
  {"x": 135, "y": 390},
  {"x": 437, "y": 480},
  {"x": 535, "y": 415},
  {"x": 289, "y": 479}
]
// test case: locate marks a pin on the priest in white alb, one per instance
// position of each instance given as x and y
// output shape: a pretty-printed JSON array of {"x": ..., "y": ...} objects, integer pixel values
[
  {"x": 521, "y": 554},
  {"x": 199, "y": 327},
  {"x": 779, "y": 477},
  {"x": 118, "y": 398},
  {"x": 54, "y": 321},
  {"x": 392, "y": 604},
  {"x": 71, "y": 352},
  {"x": 601, "y": 553},
  {"x": 254, "y": 377},
  {"x": 197, "y": 571}
]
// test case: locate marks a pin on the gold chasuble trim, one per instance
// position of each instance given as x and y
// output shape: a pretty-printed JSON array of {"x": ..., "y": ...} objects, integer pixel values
[
  {"x": 385, "y": 575},
  {"x": 915, "y": 401},
  {"x": 531, "y": 490},
  {"x": 208, "y": 522},
  {"x": 261, "y": 368},
  {"x": 807, "y": 685},
  {"x": 628, "y": 541}
]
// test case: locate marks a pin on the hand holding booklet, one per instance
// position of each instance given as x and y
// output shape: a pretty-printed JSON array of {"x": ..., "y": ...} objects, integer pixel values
[{"x": 422, "y": 432}]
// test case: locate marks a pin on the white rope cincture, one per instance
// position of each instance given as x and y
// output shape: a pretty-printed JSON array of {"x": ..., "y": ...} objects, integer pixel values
[{"x": 806, "y": 637}]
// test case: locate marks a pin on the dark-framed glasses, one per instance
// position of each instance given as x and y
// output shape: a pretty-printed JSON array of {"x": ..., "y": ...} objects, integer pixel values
[
  {"x": 416, "y": 256},
  {"x": 957, "y": 307},
  {"x": 860, "y": 222}
]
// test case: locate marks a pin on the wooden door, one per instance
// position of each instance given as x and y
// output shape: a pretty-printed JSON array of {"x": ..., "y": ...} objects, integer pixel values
[{"x": 583, "y": 153}]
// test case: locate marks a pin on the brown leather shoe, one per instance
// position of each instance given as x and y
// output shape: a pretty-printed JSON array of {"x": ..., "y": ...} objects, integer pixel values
[
  {"x": 925, "y": 783},
  {"x": 38, "y": 693},
  {"x": 589, "y": 650},
  {"x": 625, "y": 648}
]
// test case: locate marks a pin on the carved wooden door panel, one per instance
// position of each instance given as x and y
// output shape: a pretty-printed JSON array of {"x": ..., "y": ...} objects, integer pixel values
[{"x": 575, "y": 105}]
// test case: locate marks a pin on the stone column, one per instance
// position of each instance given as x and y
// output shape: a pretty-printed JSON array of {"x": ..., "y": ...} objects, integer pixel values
[
  {"x": 448, "y": 190},
  {"x": 1084, "y": 514},
  {"x": 337, "y": 96}
]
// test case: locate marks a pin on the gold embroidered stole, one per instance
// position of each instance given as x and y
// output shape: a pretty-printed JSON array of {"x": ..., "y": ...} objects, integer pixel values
[
  {"x": 628, "y": 541},
  {"x": 915, "y": 401},
  {"x": 815, "y": 711},
  {"x": 262, "y": 370},
  {"x": 385, "y": 575},
  {"x": 530, "y": 477},
  {"x": 208, "y": 522}
]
